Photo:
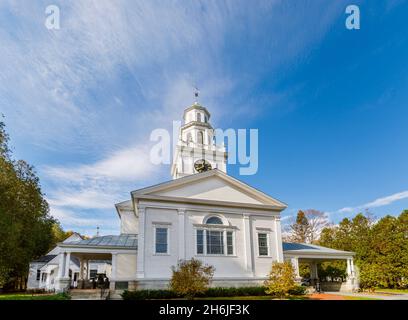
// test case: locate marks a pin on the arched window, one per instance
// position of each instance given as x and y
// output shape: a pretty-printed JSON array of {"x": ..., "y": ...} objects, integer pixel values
[
  {"x": 214, "y": 220},
  {"x": 199, "y": 117},
  {"x": 205, "y": 119},
  {"x": 215, "y": 238},
  {"x": 200, "y": 137}
]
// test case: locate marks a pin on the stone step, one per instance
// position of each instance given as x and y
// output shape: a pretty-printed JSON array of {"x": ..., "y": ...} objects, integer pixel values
[{"x": 88, "y": 294}]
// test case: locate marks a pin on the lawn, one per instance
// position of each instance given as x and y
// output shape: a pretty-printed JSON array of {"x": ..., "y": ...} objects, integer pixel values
[
  {"x": 359, "y": 298},
  {"x": 254, "y": 298},
  {"x": 391, "y": 290},
  {"x": 26, "y": 296}
]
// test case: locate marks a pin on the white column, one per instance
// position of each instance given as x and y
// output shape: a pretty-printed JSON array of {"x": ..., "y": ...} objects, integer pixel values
[
  {"x": 141, "y": 242},
  {"x": 248, "y": 243},
  {"x": 114, "y": 266},
  {"x": 348, "y": 269},
  {"x": 67, "y": 263},
  {"x": 295, "y": 264},
  {"x": 61, "y": 265},
  {"x": 181, "y": 233},
  {"x": 352, "y": 267},
  {"x": 81, "y": 269},
  {"x": 278, "y": 239},
  {"x": 313, "y": 271},
  {"x": 87, "y": 269}
]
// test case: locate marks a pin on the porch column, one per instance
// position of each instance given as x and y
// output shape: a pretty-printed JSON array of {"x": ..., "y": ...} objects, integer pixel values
[
  {"x": 140, "y": 243},
  {"x": 181, "y": 233},
  {"x": 295, "y": 264},
  {"x": 81, "y": 269},
  {"x": 248, "y": 243},
  {"x": 352, "y": 267},
  {"x": 348, "y": 269},
  {"x": 114, "y": 273},
  {"x": 313, "y": 270},
  {"x": 67, "y": 263},
  {"x": 114, "y": 265},
  {"x": 87, "y": 269},
  {"x": 61, "y": 265}
]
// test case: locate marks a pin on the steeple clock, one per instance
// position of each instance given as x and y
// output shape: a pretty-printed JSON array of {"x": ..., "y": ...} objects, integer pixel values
[{"x": 196, "y": 150}]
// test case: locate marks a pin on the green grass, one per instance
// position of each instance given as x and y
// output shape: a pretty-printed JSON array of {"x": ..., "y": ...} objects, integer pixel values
[
  {"x": 391, "y": 290},
  {"x": 26, "y": 296},
  {"x": 254, "y": 298},
  {"x": 359, "y": 298}
]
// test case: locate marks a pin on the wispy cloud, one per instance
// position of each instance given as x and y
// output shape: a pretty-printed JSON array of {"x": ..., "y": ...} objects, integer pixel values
[
  {"x": 380, "y": 202},
  {"x": 118, "y": 69}
]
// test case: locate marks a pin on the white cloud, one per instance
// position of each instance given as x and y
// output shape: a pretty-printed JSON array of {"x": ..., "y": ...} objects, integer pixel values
[
  {"x": 123, "y": 165},
  {"x": 380, "y": 202},
  {"x": 118, "y": 69},
  {"x": 86, "y": 225}
]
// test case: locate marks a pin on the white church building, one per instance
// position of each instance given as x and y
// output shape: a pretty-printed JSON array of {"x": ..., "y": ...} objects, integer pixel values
[{"x": 202, "y": 213}]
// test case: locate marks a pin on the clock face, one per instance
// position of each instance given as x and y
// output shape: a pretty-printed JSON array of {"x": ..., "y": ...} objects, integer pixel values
[{"x": 202, "y": 165}]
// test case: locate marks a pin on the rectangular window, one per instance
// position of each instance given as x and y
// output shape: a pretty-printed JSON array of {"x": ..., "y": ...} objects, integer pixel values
[
  {"x": 200, "y": 241},
  {"x": 230, "y": 245},
  {"x": 263, "y": 244},
  {"x": 215, "y": 242},
  {"x": 38, "y": 274},
  {"x": 93, "y": 273},
  {"x": 161, "y": 240}
]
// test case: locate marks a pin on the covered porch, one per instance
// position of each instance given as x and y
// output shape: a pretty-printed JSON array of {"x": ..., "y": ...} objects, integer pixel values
[
  {"x": 313, "y": 255},
  {"x": 106, "y": 262}
]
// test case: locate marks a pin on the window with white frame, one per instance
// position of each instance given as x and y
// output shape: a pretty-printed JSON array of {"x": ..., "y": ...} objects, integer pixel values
[
  {"x": 263, "y": 247},
  {"x": 161, "y": 240},
  {"x": 214, "y": 240}
]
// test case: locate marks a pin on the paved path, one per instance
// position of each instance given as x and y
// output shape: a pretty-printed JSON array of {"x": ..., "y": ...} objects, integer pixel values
[
  {"x": 325, "y": 296},
  {"x": 379, "y": 295}
]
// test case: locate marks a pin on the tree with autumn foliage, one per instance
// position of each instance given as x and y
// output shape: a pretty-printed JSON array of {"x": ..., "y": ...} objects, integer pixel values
[{"x": 191, "y": 277}]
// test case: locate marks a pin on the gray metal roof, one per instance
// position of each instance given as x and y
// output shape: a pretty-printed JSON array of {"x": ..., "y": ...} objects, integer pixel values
[
  {"x": 310, "y": 248},
  {"x": 45, "y": 259},
  {"x": 123, "y": 240}
]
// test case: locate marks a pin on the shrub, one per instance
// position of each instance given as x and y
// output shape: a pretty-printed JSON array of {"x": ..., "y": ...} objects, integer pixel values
[
  {"x": 210, "y": 292},
  {"x": 233, "y": 292},
  {"x": 281, "y": 279},
  {"x": 148, "y": 294},
  {"x": 191, "y": 278},
  {"x": 298, "y": 290}
]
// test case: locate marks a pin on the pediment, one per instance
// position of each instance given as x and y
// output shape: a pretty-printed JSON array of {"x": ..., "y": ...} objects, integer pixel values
[{"x": 213, "y": 185}]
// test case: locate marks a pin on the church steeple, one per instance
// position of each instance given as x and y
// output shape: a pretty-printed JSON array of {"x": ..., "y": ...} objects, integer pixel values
[{"x": 196, "y": 149}]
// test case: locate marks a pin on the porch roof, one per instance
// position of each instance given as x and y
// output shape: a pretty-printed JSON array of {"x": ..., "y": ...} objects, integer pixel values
[
  {"x": 119, "y": 241},
  {"x": 305, "y": 249}
]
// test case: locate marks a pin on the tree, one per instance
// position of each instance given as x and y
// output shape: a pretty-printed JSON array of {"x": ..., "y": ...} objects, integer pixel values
[
  {"x": 308, "y": 225},
  {"x": 59, "y": 235},
  {"x": 281, "y": 279},
  {"x": 300, "y": 228},
  {"x": 191, "y": 277},
  {"x": 25, "y": 224},
  {"x": 381, "y": 248},
  {"x": 317, "y": 221}
]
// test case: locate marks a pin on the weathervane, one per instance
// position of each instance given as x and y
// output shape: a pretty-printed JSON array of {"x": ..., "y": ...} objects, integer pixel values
[{"x": 196, "y": 92}]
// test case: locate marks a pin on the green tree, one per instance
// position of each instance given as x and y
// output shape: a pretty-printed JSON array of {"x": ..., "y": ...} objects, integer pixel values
[
  {"x": 281, "y": 279},
  {"x": 381, "y": 248},
  {"x": 191, "y": 278},
  {"x": 300, "y": 228},
  {"x": 25, "y": 224}
]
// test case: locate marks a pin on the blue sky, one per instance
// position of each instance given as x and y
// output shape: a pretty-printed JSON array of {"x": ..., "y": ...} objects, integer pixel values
[{"x": 330, "y": 103}]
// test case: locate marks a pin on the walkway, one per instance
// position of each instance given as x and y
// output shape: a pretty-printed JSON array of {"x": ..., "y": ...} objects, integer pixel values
[{"x": 379, "y": 295}]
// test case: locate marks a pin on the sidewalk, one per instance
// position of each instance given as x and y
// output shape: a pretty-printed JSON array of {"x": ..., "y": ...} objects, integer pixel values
[{"x": 380, "y": 295}]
